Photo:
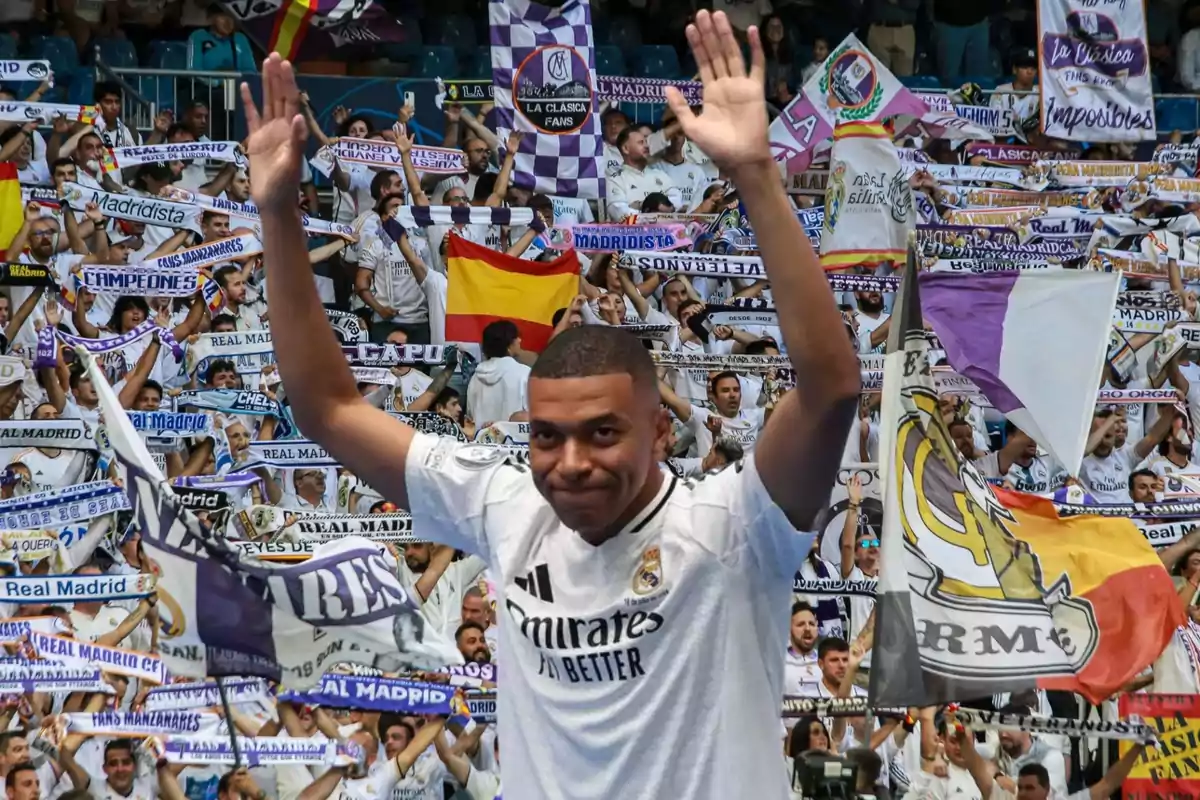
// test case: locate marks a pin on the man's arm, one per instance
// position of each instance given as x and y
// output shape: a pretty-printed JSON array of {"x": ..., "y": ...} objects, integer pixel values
[
  {"x": 325, "y": 398},
  {"x": 1116, "y": 774},
  {"x": 799, "y": 450}
]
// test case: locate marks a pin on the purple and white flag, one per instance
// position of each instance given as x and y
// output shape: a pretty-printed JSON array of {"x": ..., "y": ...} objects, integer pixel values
[
  {"x": 544, "y": 79},
  {"x": 993, "y": 328},
  {"x": 284, "y": 623},
  {"x": 1095, "y": 72}
]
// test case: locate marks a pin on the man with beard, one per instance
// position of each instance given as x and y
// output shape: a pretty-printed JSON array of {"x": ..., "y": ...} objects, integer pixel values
[
  {"x": 731, "y": 420},
  {"x": 429, "y": 573},
  {"x": 1109, "y": 460},
  {"x": 800, "y": 668},
  {"x": 1174, "y": 456},
  {"x": 1019, "y": 462},
  {"x": 471, "y": 643},
  {"x": 871, "y": 322}
]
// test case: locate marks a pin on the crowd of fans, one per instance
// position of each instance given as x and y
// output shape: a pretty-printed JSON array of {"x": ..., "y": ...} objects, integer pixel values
[{"x": 398, "y": 289}]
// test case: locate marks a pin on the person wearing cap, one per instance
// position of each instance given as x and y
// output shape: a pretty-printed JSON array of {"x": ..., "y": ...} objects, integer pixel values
[{"x": 1025, "y": 74}]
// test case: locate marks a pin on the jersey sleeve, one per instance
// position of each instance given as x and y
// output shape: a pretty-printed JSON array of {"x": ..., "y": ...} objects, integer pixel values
[
  {"x": 447, "y": 485},
  {"x": 482, "y": 785},
  {"x": 736, "y": 515}
]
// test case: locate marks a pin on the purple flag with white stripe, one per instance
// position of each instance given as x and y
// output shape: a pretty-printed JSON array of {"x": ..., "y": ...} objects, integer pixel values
[
  {"x": 544, "y": 84},
  {"x": 1034, "y": 344}
]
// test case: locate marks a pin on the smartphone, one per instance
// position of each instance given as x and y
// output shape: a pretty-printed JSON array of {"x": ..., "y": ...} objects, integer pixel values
[{"x": 410, "y": 99}]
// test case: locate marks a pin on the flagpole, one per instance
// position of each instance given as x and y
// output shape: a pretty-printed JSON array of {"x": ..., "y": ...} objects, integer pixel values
[{"x": 233, "y": 737}]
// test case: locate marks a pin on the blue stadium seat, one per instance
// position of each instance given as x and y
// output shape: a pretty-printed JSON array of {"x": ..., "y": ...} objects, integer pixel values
[
  {"x": 985, "y": 82},
  {"x": 116, "y": 52},
  {"x": 625, "y": 33},
  {"x": 83, "y": 85},
  {"x": 436, "y": 62},
  {"x": 1177, "y": 114},
  {"x": 157, "y": 90},
  {"x": 656, "y": 61},
  {"x": 638, "y": 113},
  {"x": 168, "y": 55},
  {"x": 609, "y": 60},
  {"x": 58, "y": 50},
  {"x": 8, "y": 46},
  {"x": 478, "y": 65},
  {"x": 921, "y": 81},
  {"x": 413, "y": 42},
  {"x": 56, "y": 95},
  {"x": 455, "y": 31}
]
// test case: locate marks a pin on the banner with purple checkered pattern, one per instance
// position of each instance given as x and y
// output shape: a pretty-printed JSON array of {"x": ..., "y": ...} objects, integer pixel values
[{"x": 544, "y": 77}]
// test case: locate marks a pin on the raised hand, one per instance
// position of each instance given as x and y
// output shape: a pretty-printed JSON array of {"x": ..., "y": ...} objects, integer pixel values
[
  {"x": 732, "y": 128},
  {"x": 277, "y": 136}
]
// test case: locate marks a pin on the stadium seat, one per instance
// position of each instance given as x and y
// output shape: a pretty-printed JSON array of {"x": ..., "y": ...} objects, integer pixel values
[
  {"x": 625, "y": 33},
  {"x": 454, "y": 31},
  {"x": 157, "y": 90},
  {"x": 58, "y": 50},
  {"x": 413, "y": 42},
  {"x": 436, "y": 62},
  {"x": 478, "y": 65},
  {"x": 609, "y": 60},
  {"x": 640, "y": 113},
  {"x": 168, "y": 55},
  {"x": 1177, "y": 114},
  {"x": 656, "y": 61},
  {"x": 58, "y": 94},
  {"x": 115, "y": 52},
  {"x": 921, "y": 81},
  {"x": 82, "y": 89},
  {"x": 8, "y": 46}
]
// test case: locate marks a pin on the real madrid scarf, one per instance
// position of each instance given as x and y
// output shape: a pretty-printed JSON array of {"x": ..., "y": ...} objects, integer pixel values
[
  {"x": 368, "y": 354},
  {"x": 63, "y": 434},
  {"x": 15, "y": 111},
  {"x": 50, "y": 678},
  {"x": 373, "y": 693},
  {"x": 743, "y": 311},
  {"x": 18, "y": 70},
  {"x": 291, "y": 454},
  {"x": 206, "y": 255},
  {"x": 248, "y": 212},
  {"x": 227, "y": 345},
  {"x": 140, "y": 281},
  {"x": 1128, "y": 730},
  {"x": 258, "y": 752},
  {"x": 136, "y": 725},
  {"x": 426, "y": 216},
  {"x": 74, "y": 588},
  {"x": 385, "y": 155},
  {"x": 61, "y": 507},
  {"x": 135, "y": 208},
  {"x": 834, "y": 587},
  {"x": 170, "y": 424},
  {"x": 119, "y": 158},
  {"x": 46, "y": 356},
  {"x": 187, "y": 696},
  {"x": 228, "y": 401},
  {"x": 616, "y": 238},
  {"x": 77, "y": 653},
  {"x": 694, "y": 264},
  {"x": 261, "y": 521}
]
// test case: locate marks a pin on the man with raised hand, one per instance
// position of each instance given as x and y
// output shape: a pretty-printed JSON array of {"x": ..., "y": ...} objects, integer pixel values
[{"x": 643, "y": 616}]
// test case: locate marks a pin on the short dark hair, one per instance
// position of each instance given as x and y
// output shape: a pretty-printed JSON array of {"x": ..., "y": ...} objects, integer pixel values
[
  {"x": 10, "y": 780},
  {"x": 759, "y": 347},
  {"x": 557, "y": 316},
  {"x": 155, "y": 385},
  {"x": 223, "y": 319},
  {"x": 624, "y": 135},
  {"x": 800, "y": 605},
  {"x": 124, "y": 303},
  {"x": 591, "y": 350},
  {"x": 466, "y": 626},
  {"x": 208, "y": 216},
  {"x": 720, "y": 376},
  {"x": 656, "y": 201},
  {"x": 222, "y": 275},
  {"x": 218, "y": 365},
  {"x": 540, "y": 202},
  {"x": 178, "y": 127},
  {"x": 614, "y": 111},
  {"x": 832, "y": 644},
  {"x": 76, "y": 794},
  {"x": 1037, "y": 771},
  {"x": 729, "y": 449},
  {"x": 65, "y": 161},
  {"x": 445, "y": 396},
  {"x": 497, "y": 337},
  {"x": 378, "y": 182},
  {"x": 6, "y": 738},
  {"x": 1142, "y": 473},
  {"x": 118, "y": 744},
  {"x": 105, "y": 89}
]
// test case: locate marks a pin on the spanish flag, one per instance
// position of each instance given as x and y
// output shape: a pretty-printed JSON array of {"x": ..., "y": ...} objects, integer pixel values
[
  {"x": 12, "y": 210},
  {"x": 292, "y": 22},
  {"x": 983, "y": 591},
  {"x": 484, "y": 286}
]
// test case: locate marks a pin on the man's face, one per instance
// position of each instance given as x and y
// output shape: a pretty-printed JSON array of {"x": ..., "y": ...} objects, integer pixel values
[
  {"x": 65, "y": 173},
  {"x": 1025, "y": 75},
  {"x": 239, "y": 188},
  {"x": 1028, "y": 788},
  {"x": 110, "y": 107},
  {"x": 215, "y": 227},
  {"x": 477, "y": 156},
  {"x": 118, "y": 767},
  {"x": 727, "y": 396},
  {"x": 416, "y": 556},
  {"x": 1012, "y": 743},
  {"x": 866, "y": 553},
  {"x": 804, "y": 630},
  {"x": 26, "y": 786},
  {"x": 221, "y": 24},
  {"x": 674, "y": 293},
  {"x": 474, "y": 609},
  {"x": 1141, "y": 489},
  {"x": 225, "y": 379},
  {"x": 834, "y": 665},
  {"x": 196, "y": 119},
  {"x": 452, "y": 409},
  {"x": 456, "y": 196},
  {"x": 591, "y": 445},
  {"x": 395, "y": 740},
  {"x": 310, "y": 480},
  {"x": 964, "y": 438},
  {"x": 635, "y": 149},
  {"x": 474, "y": 647},
  {"x": 4, "y": 310},
  {"x": 18, "y": 751},
  {"x": 88, "y": 149},
  {"x": 85, "y": 391},
  {"x": 235, "y": 287},
  {"x": 613, "y": 125},
  {"x": 870, "y": 301},
  {"x": 41, "y": 238}
]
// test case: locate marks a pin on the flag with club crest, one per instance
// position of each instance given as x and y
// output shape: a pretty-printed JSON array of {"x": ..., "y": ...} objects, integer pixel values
[{"x": 544, "y": 84}]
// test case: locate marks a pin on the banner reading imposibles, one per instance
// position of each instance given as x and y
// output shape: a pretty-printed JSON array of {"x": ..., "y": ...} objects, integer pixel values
[{"x": 1095, "y": 71}]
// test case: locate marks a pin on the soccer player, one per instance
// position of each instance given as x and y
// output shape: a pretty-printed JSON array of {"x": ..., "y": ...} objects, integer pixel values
[{"x": 643, "y": 615}]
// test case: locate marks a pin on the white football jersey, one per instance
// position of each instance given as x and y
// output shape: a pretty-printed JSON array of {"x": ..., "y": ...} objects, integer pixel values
[{"x": 617, "y": 658}]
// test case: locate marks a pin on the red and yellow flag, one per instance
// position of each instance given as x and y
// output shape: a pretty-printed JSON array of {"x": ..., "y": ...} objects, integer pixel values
[
  {"x": 292, "y": 22},
  {"x": 484, "y": 286},
  {"x": 12, "y": 210},
  {"x": 1114, "y": 569}
]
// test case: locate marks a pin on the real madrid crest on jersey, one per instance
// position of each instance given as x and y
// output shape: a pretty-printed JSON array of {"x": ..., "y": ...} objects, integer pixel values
[{"x": 649, "y": 574}]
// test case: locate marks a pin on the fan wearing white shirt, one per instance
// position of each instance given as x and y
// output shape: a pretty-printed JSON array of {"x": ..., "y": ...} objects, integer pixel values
[
  {"x": 658, "y": 589},
  {"x": 121, "y": 781},
  {"x": 439, "y": 583},
  {"x": 109, "y": 124},
  {"x": 381, "y": 777},
  {"x": 636, "y": 179},
  {"x": 1109, "y": 460},
  {"x": 800, "y": 666},
  {"x": 731, "y": 420}
]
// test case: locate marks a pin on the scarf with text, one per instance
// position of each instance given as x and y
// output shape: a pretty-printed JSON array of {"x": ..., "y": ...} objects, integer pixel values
[
  {"x": 257, "y": 752},
  {"x": 77, "y": 653},
  {"x": 229, "y": 401},
  {"x": 46, "y": 354},
  {"x": 694, "y": 264},
  {"x": 15, "y": 273},
  {"x": 136, "y": 725},
  {"x": 16, "y": 111},
  {"x": 16, "y": 631},
  {"x": 62, "y": 507},
  {"x": 187, "y": 696},
  {"x": 1129, "y": 730},
  {"x": 136, "y": 280},
  {"x": 170, "y": 424},
  {"x": 119, "y": 158},
  {"x": 51, "y": 679},
  {"x": 609, "y": 89},
  {"x": 426, "y": 216},
  {"x": 134, "y": 208},
  {"x": 228, "y": 345},
  {"x": 290, "y": 454},
  {"x": 17, "y": 70},
  {"x": 743, "y": 311},
  {"x": 369, "y": 354},
  {"x": 65, "y": 434},
  {"x": 245, "y": 245},
  {"x": 374, "y": 693},
  {"x": 602, "y": 238},
  {"x": 52, "y": 589},
  {"x": 376, "y": 376},
  {"x": 1017, "y": 153},
  {"x": 248, "y": 213},
  {"x": 348, "y": 327},
  {"x": 834, "y": 587},
  {"x": 385, "y": 155}
]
